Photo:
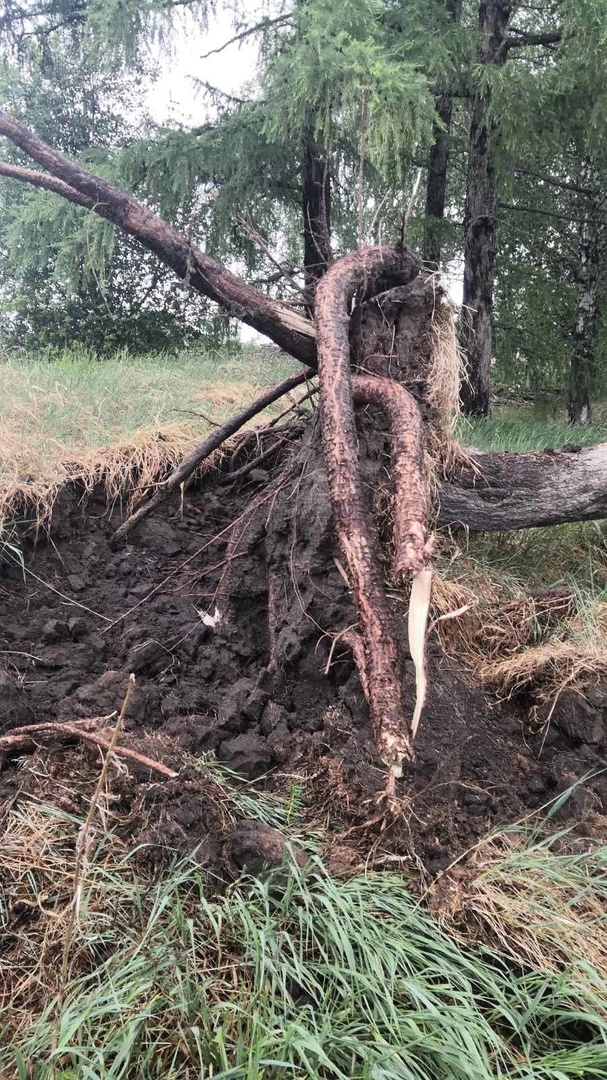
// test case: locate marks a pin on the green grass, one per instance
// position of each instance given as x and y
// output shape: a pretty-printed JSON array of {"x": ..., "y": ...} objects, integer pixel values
[
  {"x": 311, "y": 978},
  {"x": 522, "y": 428},
  {"x": 67, "y": 408}
]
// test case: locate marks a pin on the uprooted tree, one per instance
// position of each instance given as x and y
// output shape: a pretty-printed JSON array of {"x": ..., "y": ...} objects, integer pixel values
[{"x": 382, "y": 343}]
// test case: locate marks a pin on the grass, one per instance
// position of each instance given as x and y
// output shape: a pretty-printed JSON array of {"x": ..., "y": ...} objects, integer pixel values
[
  {"x": 80, "y": 418},
  {"x": 303, "y": 976},
  {"x": 491, "y": 575}
]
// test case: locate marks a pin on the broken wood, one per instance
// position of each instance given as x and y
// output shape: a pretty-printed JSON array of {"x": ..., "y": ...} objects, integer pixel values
[
  {"x": 290, "y": 330},
  {"x": 494, "y": 492}
]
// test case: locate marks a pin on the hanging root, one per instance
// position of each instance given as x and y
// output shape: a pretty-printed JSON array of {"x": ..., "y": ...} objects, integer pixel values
[{"x": 362, "y": 274}]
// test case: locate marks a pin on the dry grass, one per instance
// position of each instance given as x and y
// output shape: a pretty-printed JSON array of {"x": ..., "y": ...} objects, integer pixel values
[
  {"x": 124, "y": 422},
  {"x": 536, "y": 900},
  {"x": 513, "y": 635}
]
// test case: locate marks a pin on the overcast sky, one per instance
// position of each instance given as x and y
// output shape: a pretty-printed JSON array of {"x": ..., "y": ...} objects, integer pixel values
[{"x": 174, "y": 98}]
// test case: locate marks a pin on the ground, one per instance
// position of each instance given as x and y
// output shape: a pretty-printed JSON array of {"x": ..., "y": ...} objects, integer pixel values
[
  {"x": 266, "y": 761},
  {"x": 77, "y": 618}
]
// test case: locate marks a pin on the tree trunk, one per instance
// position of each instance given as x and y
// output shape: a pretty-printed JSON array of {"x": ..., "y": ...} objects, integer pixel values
[
  {"x": 581, "y": 362},
  {"x": 316, "y": 208},
  {"x": 494, "y": 492},
  {"x": 438, "y": 162},
  {"x": 291, "y": 331},
  {"x": 436, "y": 186},
  {"x": 480, "y": 220}
]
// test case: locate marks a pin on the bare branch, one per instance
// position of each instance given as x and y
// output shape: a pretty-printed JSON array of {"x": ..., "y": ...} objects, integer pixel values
[
  {"x": 259, "y": 27},
  {"x": 555, "y": 181},
  {"x": 213, "y": 442},
  {"x": 48, "y": 183},
  {"x": 24, "y": 738},
  {"x": 519, "y": 39}
]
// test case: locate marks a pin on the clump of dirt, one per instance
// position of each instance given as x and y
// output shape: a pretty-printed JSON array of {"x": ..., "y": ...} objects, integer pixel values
[{"x": 77, "y": 618}]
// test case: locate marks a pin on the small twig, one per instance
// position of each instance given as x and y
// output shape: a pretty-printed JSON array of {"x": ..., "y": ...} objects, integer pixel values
[
  {"x": 257, "y": 238},
  {"x": 295, "y": 405},
  {"x": 213, "y": 442},
  {"x": 256, "y": 461},
  {"x": 265, "y": 24},
  {"x": 82, "y": 853},
  {"x": 410, "y": 208}
]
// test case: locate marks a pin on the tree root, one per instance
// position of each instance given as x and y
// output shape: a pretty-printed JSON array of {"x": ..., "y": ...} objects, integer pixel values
[
  {"x": 214, "y": 441},
  {"x": 25, "y": 737},
  {"x": 379, "y": 662}
]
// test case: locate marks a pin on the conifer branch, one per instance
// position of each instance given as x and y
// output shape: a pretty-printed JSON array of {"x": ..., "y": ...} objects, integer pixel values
[{"x": 265, "y": 24}]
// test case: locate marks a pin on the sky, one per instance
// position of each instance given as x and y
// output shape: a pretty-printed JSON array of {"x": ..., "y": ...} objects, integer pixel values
[{"x": 174, "y": 98}]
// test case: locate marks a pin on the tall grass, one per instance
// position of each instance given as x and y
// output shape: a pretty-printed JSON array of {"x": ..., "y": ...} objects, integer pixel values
[{"x": 303, "y": 976}]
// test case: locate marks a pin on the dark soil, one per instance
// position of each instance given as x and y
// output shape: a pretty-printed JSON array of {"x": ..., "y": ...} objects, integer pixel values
[{"x": 81, "y": 617}]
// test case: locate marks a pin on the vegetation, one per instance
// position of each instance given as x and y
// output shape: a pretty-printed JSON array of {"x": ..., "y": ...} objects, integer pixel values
[
  {"x": 305, "y": 973},
  {"x": 130, "y": 253}
]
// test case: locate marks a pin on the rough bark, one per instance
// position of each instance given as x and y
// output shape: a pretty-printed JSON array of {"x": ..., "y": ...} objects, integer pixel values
[
  {"x": 480, "y": 219},
  {"x": 316, "y": 210},
  {"x": 436, "y": 185},
  {"x": 494, "y": 492},
  {"x": 581, "y": 361},
  {"x": 364, "y": 273},
  {"x": 438, "y": 163},
  {"x": 288, "y": 329}
]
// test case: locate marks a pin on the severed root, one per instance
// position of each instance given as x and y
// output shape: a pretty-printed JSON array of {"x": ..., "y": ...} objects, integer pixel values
[
  {"x": 360, "y": 274},
  {"x": 214, "y": 441},
  {"x": 26, "y": 737}
]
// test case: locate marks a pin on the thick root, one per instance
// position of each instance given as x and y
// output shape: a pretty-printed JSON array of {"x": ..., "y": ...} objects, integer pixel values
[{"x": 360, "y": 274}]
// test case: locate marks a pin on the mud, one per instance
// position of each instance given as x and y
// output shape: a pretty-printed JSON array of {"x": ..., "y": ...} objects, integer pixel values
[{"x": 77, "y": 618}]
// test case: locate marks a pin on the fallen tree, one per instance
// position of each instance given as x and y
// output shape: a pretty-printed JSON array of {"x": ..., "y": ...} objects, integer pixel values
[
  {"x": 491, "y": 492},
  {"x": 382, "y": 339}
]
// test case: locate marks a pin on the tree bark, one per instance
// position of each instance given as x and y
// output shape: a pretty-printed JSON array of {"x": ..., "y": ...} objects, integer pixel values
[
  {"x": 436, "y": 185},
  {"x": 438, "y": 162},
  {"x": 365, "y": 273},
  {"x": 581, "y": 361},
  {"x": 288, "y": 329},
  {"x": 480, "y": 219},
  {"x": 495, "y": 492},
  {"x": 316, "y": 209}
]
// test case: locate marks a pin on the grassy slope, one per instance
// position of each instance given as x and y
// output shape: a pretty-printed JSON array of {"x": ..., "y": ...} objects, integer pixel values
[
  {"x": 77, "y": 416},
  {"x": 311, "y": 977}
]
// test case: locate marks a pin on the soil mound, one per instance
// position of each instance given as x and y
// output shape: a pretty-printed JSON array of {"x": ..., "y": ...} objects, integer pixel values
[{"x": 77, "y": 618}]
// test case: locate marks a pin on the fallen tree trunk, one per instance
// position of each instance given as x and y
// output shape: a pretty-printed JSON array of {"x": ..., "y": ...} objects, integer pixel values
[
  {"x": 290, "y": 330},
  {"x": 494, "y": 492}
]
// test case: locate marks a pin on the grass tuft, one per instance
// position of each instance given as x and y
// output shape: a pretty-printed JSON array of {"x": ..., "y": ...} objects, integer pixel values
[{"x": 304, "y": 975}]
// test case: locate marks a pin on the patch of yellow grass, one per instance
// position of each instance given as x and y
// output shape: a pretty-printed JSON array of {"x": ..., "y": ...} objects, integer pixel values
[
  {"x": 124, "y": 423},
  {"x": 542, "y": 903},
  {"x": 512, "y": 639}
]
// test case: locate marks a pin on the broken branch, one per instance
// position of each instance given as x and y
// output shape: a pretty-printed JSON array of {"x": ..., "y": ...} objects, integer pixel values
[
  {"x": 24, "y": 738},
  {"x": 184, "y": 471}
]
